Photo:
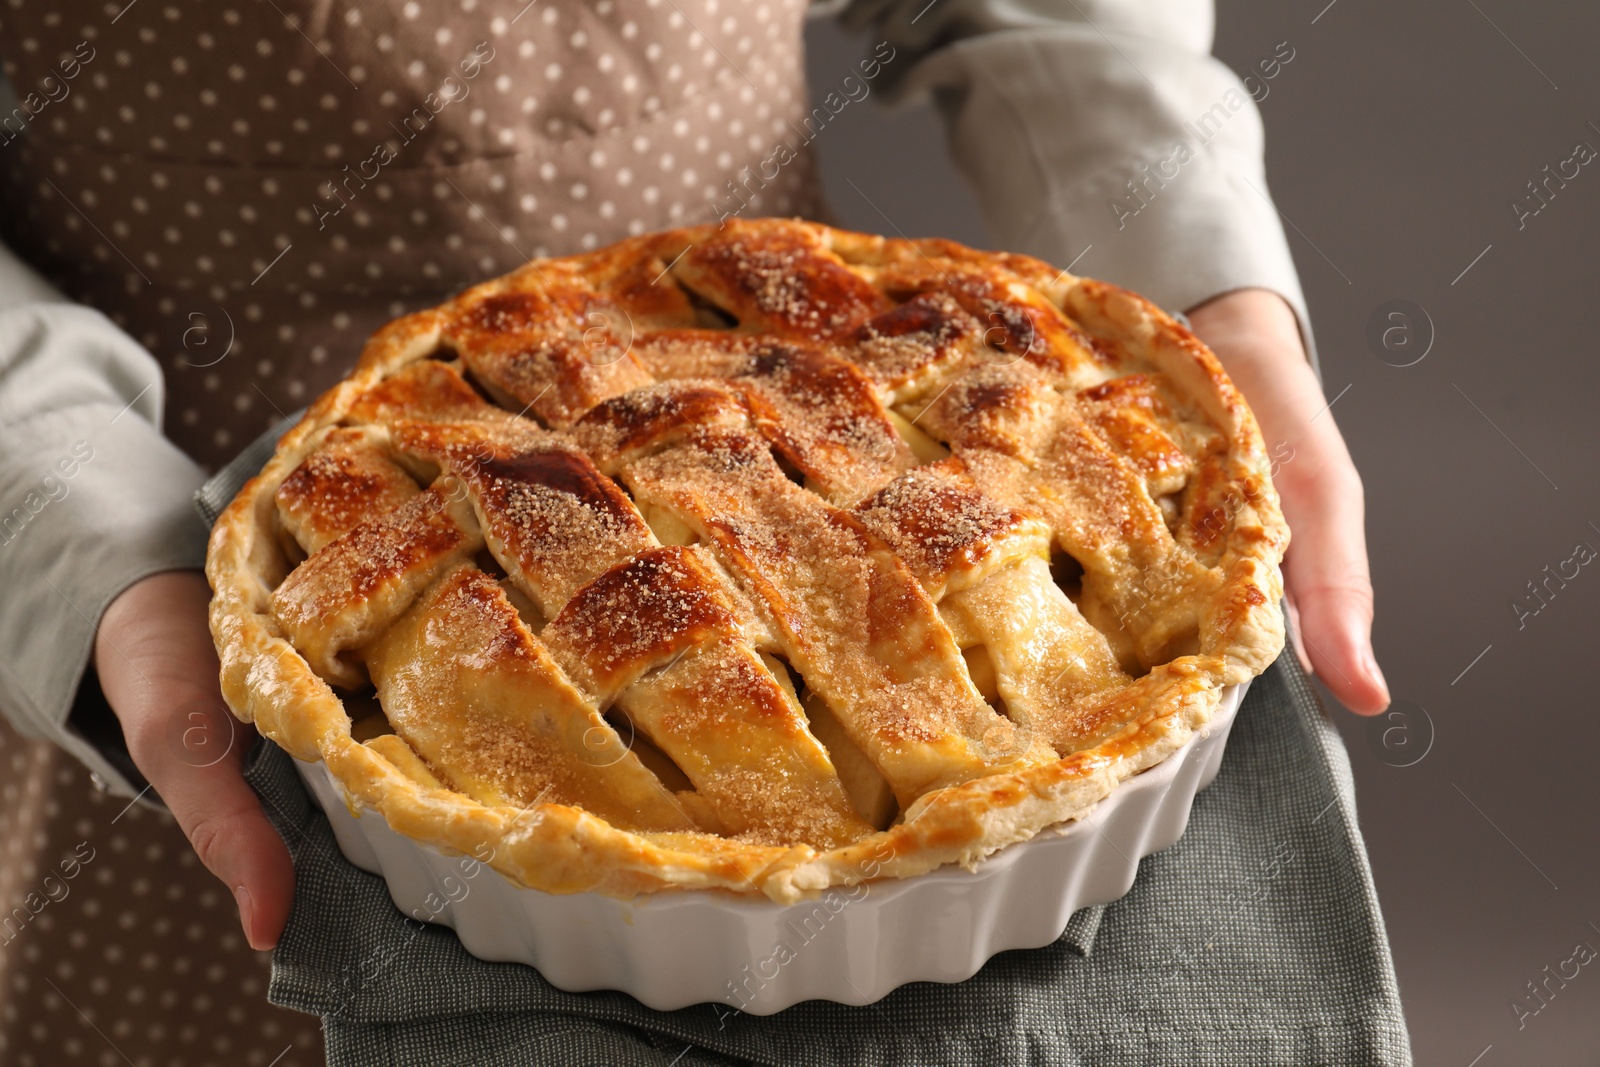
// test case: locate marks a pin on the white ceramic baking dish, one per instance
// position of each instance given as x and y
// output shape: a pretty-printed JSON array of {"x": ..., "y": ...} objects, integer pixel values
[{"x": 853, "y": 945}]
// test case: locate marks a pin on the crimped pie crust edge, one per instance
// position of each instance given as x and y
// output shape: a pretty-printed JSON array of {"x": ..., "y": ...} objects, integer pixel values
[{"x": 558, "y": 848}]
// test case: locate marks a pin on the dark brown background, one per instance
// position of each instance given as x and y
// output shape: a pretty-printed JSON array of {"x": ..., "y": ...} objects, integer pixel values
[{"x": 1398, "y": 137}]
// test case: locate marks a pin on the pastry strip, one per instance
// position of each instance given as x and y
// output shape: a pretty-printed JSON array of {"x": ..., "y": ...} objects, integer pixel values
[
  {"x": 498, "y": 718},
  {"x": 355, "y": 587}
]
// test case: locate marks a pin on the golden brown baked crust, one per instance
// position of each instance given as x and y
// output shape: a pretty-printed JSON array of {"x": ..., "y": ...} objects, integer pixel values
[{"x": 763, "y": 558}]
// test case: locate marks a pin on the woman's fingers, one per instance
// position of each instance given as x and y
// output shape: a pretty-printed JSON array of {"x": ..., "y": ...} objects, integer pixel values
[
  {"x": 1326, "y": 574},
  {"x": 158, "y": 669},
  {"x": 1329, "y": 591},
  {"x": 1336, "y": 629}
]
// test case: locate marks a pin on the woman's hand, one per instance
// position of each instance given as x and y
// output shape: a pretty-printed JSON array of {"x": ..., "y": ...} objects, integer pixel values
[
  {"x": 1254, "y": 333},
  {"x": 158, "y": 669}
]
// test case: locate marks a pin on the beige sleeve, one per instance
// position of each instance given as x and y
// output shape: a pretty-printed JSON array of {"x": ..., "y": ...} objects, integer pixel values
[
  {"x": 92, "y": 497},
  {"x": 1100, "y": 133}
]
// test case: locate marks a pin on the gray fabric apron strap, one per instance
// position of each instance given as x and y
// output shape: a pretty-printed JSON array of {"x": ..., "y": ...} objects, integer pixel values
[{"x": 1256, "y": 939}]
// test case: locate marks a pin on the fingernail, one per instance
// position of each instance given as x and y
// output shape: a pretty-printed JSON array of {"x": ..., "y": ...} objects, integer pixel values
[
  {"x": 1371, "y": 663},
  {"x": 1299, "y": 648},
  {"x": 247, "y": 916}
]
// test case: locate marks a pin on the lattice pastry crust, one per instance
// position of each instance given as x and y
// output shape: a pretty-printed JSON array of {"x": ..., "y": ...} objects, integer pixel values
[{"x": 763, "y": 558}]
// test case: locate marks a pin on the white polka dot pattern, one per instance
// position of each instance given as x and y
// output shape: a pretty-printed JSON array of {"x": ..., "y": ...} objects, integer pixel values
[
  {"x": 250, "y": 189},
  {"x": 116, "y": 945},
  {"x": 229, "y": 179}
]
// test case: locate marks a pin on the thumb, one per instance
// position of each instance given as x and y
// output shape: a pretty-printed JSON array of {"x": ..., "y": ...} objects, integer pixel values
[
  {"x": 224, "y": 821},
  {"x": 1326, "y": 573},
  {"x": 197, "y": 772},
  {"x": 158, "y": 668},
  {"x": 1333, "y": 629}
]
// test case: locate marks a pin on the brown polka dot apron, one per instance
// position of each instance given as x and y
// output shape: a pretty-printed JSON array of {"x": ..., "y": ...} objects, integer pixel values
[
  {"x": 249, "y": 189},
  {"x": 250, "y": 193}
]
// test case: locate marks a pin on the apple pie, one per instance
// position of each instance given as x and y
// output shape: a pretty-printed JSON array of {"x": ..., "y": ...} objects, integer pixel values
[{"x": 762, "y": 558}]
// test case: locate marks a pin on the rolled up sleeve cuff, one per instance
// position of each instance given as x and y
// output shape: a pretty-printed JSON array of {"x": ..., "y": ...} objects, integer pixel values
[
  {"x": 1135, "y": 160},
  {"x": 92, "y": 499}
]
